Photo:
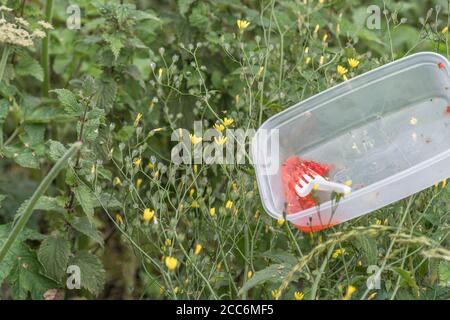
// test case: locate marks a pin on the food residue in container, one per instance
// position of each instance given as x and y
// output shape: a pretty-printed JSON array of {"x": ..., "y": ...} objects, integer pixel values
[
  {"x": 292, "y": 171},
  {"x": 447, "y": 110},
  {"x": 413, "y": 121},
  {"x": 440, "y": 65}
]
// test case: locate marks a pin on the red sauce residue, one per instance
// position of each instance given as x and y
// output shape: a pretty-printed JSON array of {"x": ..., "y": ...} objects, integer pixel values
[
  {"x": 447, "y": 110},
  {"x": 291, "y": 172},
  {"x": 441, "y": 65}
]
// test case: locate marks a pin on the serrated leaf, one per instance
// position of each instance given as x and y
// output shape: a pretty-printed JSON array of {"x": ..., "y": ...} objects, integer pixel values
[
  {"x": 105, "y": 94},
  {"x": 92, "y": 272},
  {"x": 33, "y": 135},
  {"x": 274, "y": 272},
  {"x": 115, "y": 43},
  {"x": 84, "y": 198},
  {"x": 27, "y": 66},
  {"x": 27, "y": 159},
  {"x": 368, "y": 247},
  {"x": 54, "y": 255},
  {"x": 56, "y": 150},
  {"x": 69, "y": 101},
  {"x": 183, "y": 6},
  {"x": 25, "y": 277},
  {"x": 83, "y": 225}
]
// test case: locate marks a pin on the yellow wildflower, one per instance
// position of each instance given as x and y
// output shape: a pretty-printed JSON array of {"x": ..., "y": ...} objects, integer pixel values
[
  {"x": 306, "y": 50},
  {"x": 150, "y": 165},
  {"x": 191, "y": 192},
  {"x": 137, "y": 162},
  {"x": 349, "y": 293},
  {"x": 445, "y": 30},
  {"x": 171, "y": 263},
  {"x": 117, "y": 181},
  {"x": 348, "y": 183},
  {"x": 308, "y": 60},
  {"x": 378, "y": 222},
  {"x": 316, "y": 28},
  {"x": 195, "y": 204},
  {"x": 138, "y": 183},
  {"x": 160, "y": 72},
  {"x": 158, "y": 129},
  {"x": 161, "y": 290},
  {"x": 353, "y": 63},
  {"x": 119, "y": 219},
  {"x": 221, "y": 140},
  {"x": 195, "y": 168},
  {"x": 198, "y": 249},
  {"x": 413, "y": 121},
  {"x": 93, "y": 169},
  {"x": 168, "y": 242},
  {"x": 148, "y": 214},
  {"x": 234, "y": 187},
  {"x": 444, "y": 183},
  {"x": 372, "y": 296},
  {"x": 341, "y": 70},
  {"x": 280, "y": 222},
  {"x": 275, "y": 294},
  {"x": 194, "y": 139},
  {"x": 249, "y": 275},
  {"x": 359, "y": 263},
  {"x": 228, "y": 121},
  {"x": 219, "y": 127},
  {"x": 212, "y": 212},
  {"x": 325, "y": 37},
  {"x": 229, "y": 204},
  {"x": 242, "y": 24},
  {"x": 137, "y": 119},
  {"x": 298, "y": 295},
  {"x": 321, "y": 60},
  {"x": 337, "y": 253},
  {"x": 237, "y": 98}
]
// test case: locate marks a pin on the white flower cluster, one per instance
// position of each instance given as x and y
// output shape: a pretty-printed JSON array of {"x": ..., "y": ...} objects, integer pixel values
[
  {"x": 17, "y": 33},
  {"x": 11, "y": 33}
]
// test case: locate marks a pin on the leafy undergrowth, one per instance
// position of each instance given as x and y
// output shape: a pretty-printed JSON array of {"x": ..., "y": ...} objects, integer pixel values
[{"x": 134, "y": 224}]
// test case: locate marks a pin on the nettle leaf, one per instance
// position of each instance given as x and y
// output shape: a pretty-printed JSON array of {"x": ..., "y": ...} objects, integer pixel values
[
  {"x": 83, "y": 225},
  {"x": 115, "y": 43},
  {"x": 69, "y": 101},
  {"x": 27, "y": 66},
  {"x": 26, "y": 158},
  {"x": 91, "y": 126},
  {"x": 106, "y": 93},
  {"x": 274, "y": 273},
  {"x": 84, "y": 198},
  {"x": 54, "y": 256},
  {"x": 26, "y": 277},
  {"x": 91, "y": 271},
  {"x": 56, "y": 150},
  {"x": 183, "y": 6},
  {"x": 33, "y": 135}
]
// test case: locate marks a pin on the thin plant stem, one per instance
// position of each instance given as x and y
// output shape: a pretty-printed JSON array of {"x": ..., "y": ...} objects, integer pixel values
[
  {"x": 42, "y": 188},
  {"x": 5, "y": 55},
  {"x": 45, "y": 50}
]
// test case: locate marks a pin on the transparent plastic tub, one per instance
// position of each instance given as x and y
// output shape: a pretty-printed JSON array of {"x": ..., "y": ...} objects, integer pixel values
[{"x": 387, "y": 130}]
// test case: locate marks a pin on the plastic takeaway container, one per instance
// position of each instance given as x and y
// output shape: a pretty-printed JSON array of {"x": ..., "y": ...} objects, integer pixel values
[{"x": 387, "y": 130}]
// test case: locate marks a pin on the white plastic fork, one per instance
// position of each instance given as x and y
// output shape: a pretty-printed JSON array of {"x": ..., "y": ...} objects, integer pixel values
[{"x": 314, "y": 180}]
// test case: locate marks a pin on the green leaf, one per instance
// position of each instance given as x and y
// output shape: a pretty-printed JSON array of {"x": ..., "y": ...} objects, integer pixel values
[
  {"x": 444, "y": 273},
  {"x": 183, "y": 6},
  {"x": 25, "y": 276},
  {"x": 274, "y": 273},
  {"x": 83, "y": 196},
  {"x": 27, "y": 66},
  {"x": 408, "y": 279},
  {"x": 92, "y": 272},
  {"x": 115, "y": 43},
  {"x": 105, "y": 94},
  {"x": 368, "y": 247},
  {"x": 56, "y": 150},
  {"x": 2, "y": 197},
  {"x": 33, "y": 135},
  {"x": 54, "y": 255},
  {"x": 69, "y": 101},
  {"x": 83, "y": 225},
  {"x": 26, "y": 158}
]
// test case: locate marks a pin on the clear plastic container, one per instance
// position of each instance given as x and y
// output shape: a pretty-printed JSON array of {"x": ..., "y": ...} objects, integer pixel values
[{"x": 387, "y": 130}]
